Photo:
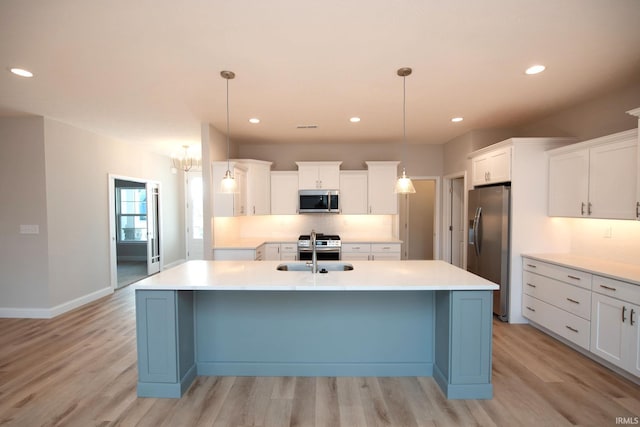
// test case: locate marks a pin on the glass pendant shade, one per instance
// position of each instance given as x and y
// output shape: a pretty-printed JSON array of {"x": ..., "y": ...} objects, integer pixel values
[
  {"x": 404, "y": 184},
  {"x": 228, "y": 183}
]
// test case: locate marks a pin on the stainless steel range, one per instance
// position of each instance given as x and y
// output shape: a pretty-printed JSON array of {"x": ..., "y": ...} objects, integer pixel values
[{"x": 328, "y": 247}]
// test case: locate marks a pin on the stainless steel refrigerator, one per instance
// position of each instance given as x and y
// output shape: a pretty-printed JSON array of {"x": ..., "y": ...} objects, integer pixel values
[{"x": 488, "y": 248}]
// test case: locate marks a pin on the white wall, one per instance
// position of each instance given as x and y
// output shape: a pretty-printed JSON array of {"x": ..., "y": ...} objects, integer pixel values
[
  {"x": 23, "y": 257},
  {"x": 78, "y": 163},
  {"x": 73, "y": 166}
]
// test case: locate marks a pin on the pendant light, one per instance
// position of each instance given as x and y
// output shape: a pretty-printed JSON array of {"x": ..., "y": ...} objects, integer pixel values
[
  {"x": 228, "y": 184},
  {"x": 404, "y": 184}
]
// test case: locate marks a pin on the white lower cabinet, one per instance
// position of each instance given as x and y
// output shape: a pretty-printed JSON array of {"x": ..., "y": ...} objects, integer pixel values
[
  {"x": 615, "y": 334},
  {"x": 559, "y": 299},
  {"x": 370, "y": 251},
  {"x": 235, "y": 254},
  {"x": 598, "y": 313},
  {"x": 281, "y": 251},
  {"x": 356, "y": 252}
]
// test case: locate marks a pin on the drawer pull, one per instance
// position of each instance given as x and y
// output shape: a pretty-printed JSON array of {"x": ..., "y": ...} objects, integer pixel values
[
  {"x": 386, "y": 248},
  {"x": 530, "y": 309},
  {"x": 356, "y": 248},
  {"x": 573, "y": 301},
  {"x": 571, "y": 329},
  {"x": 624, "y": 309},
  {"x": 532, "y": 266},
  {"x": 529, "y": 284},
  {"x": 573, "y": 277},
  {"x": 609, "y": 288}
]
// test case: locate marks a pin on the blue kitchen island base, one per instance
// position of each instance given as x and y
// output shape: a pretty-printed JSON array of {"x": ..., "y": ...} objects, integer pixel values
[{"x": 441, "y": 333}]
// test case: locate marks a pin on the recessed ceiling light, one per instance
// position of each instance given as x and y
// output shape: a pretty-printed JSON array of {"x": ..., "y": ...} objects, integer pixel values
[
  {"x": 535, "y": 69},
  {"x": 457, "y": 119},
  {"x": 254, "y": 120},
  {"x": 354, "y": 119},
  {"x": 21, "y": 72}
]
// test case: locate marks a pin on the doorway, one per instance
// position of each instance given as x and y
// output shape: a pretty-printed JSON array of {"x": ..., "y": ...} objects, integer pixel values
[
  {"x": 134, "y": 212},
  {"x": 194, "y": 215},
  {"x": 419, "y": 219},
  {"x": 454, "y": 220}
]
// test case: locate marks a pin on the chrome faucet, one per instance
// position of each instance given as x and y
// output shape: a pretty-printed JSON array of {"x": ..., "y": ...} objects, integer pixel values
[{"x": 314, "y": 255}]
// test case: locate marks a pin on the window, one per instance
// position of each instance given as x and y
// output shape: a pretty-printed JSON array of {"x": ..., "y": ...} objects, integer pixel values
[{"x": 131, "y": 214}]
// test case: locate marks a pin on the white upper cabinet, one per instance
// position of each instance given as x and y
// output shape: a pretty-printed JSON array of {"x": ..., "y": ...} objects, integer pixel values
[
  {"x": 382, "y": 177},
  {"x": 258, "y": 187},
  {"x": 284, "y": 193},
  {"x": 353, "y": 192},
  {"x": 229, "y": 204},
  {"x": 492, "y": 166},
  {"x": 569, "y": 183},
  {"x": 318, "y": 175},
  {"x": 636, "y": 113},
  {"x": 253, "y": 195},
  {"x": 596, "y": 178}
]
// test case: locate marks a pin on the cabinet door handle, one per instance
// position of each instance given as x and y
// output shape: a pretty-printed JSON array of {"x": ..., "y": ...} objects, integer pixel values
[
  {"x": 573, "y": 277},
  {"x": 637, "y": 210},
  {"x": 571, "y": 329},
  {"x": 532, "y": 266},
  {"x": 624, "y": 309},
  {"x": 529, "y": 284},
  {"x": 582, "y": 209},
  {"x": 631, "y": 318},
  {"x": 573, "y": 301},
  {"x": 609, "y": 288},
  {"x": 589, "y": 208},
  {"x": 530, "y": 309}
]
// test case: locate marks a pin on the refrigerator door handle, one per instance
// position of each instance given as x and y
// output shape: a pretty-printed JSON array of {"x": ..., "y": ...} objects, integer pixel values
[{"x": 476, "y": 226}]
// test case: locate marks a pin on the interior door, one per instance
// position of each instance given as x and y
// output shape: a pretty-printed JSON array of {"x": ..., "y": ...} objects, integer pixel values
[{"x": 153, "y": 227}]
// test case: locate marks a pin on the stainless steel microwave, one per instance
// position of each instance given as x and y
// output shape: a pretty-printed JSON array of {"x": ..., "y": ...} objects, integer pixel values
[{"x": 318, "y": 201}]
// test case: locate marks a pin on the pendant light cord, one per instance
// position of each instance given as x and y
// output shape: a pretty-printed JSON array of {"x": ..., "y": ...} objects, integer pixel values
[
  {"x": 228, "y": 150},
  {"x": 404, "y": 120}
]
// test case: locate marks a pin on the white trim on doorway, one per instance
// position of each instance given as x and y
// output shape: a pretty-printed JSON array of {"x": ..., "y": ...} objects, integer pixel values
[
  {"x": 446, "y": 213},
  {"x": 113, "y": 258}
]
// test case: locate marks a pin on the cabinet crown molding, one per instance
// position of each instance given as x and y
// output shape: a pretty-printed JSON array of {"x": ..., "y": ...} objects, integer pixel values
[
  {"x": 602, "y": 140},
  {"x": 518, "y": 141}
]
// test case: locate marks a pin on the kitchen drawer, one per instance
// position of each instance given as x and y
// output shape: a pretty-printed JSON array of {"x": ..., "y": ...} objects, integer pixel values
[
  {"x": 289, "y": 247},
  {"x": 564, "y": 274},
  {"x": 617, "y": 289},
  {"x": 385, "y": 247},
  {"x": 567, "y": 297},
  {"x": 356, "y": 247},
  {"x": 355, "y": 256},
  {"x": 567, "y": 325}
]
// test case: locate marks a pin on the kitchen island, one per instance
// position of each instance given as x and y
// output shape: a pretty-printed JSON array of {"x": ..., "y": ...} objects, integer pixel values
[{"x": 383, "y": 318}]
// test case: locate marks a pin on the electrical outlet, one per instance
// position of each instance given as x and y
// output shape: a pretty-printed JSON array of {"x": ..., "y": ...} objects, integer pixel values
[{"x": 607, "y": 232}]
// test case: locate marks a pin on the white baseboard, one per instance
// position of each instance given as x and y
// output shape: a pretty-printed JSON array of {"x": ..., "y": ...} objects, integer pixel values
[
  {"x": 173, "y": 264},
  {"x": 48, "y": 313}
]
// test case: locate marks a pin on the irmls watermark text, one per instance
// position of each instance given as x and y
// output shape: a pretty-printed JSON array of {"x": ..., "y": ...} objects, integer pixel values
[{"x": 629, "y": 421}]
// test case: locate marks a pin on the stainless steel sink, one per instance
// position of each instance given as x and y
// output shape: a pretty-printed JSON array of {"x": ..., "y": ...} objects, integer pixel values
[{"x": 323, "y": 267}]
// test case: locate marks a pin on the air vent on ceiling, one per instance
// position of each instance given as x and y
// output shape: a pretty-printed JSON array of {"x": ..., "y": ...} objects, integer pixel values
[{"x": 306, "y": 126}]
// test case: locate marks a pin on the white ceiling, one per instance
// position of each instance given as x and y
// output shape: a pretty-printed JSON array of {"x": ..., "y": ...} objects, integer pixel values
[{"x": 147, "y": 71}]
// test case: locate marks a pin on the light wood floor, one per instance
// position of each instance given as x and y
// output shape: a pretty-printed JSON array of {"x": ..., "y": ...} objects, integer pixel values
[{"x": 80, "y": 370}]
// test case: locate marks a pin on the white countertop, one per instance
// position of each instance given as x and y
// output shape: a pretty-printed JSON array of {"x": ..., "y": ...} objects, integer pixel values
[
  {"x": 366, "y": 276},
  {"x": 615, "y": 270}
]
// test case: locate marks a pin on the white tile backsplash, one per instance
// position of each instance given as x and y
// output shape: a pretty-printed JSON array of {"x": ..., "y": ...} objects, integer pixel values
[
  {"x": 611, "y": 240},
  {"x": 287, "y": 227}
]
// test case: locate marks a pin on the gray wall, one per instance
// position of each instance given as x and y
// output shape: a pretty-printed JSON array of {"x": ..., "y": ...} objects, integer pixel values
[
  {"x": 421, "y": 159},
  {"x": 24, "y": 260},
  {"x": 62, "y": 172}
]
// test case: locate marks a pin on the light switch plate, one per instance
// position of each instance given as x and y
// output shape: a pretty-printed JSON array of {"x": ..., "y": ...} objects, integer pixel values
[{"x": 29, "y": 229}]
